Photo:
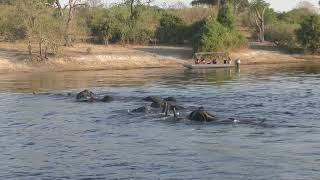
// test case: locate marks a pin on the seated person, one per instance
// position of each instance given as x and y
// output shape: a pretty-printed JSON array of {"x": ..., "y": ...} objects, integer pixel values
[
  {"x": 225, "y": 61},
  {"x": 214, "y": 61},
  {"x": 202, "y": 61},
  {"x": 229, "y": 60},
  {"x": 197, "y": 61}
]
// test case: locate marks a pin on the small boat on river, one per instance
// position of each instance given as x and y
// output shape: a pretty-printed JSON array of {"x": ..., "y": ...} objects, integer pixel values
[{"x": 208, "y": 60}]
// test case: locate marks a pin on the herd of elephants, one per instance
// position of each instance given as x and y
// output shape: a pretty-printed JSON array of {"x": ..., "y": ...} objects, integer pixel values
[{"x": 168, "y": 106}]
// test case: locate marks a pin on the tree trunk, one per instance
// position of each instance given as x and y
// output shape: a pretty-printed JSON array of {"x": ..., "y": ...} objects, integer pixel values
[
  {"x": 259, "y": 19},
  {"x": 29, "y": 48},
  {"x": 106, "y": 41},
  {"x": 72, "y": 6},
  {"x": 262, "y": 31},
  {"x": 59, "y": 7},
  {"x": 131, "y": 9},
  {"x": 234, "y": 7},
  {"x": 40, "y": 50},
  {"x": 46, "y": 52},
  {"x": 67, "y": 30}
]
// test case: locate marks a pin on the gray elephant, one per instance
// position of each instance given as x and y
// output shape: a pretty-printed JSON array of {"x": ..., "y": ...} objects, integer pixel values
[
  {"x": 89, "y": 96},
  {"x": 143, "y": 109},
  {"x": 201, "y": 115},
  {"x": 85, "y": 96}
]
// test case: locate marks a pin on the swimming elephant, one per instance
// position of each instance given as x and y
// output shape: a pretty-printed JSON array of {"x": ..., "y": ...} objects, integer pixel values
[
  {"x": 170, "y": 99},
  {"x": 158, "y": 104},
  {"x": 85, "y": 96},
  {"x": 143, "y": 109},
  {"x": 157, "y": 99},
  {"x": 201, "y": 115},
  {"x": 88, "y": 96},
  {"x": 153, "y": 99},
  {"x": 167, "y": 108},
  {"x": 107, "y": 99}
]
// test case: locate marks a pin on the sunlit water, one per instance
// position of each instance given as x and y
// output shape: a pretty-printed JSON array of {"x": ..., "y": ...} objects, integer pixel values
[{"x": 50, "y": 136}]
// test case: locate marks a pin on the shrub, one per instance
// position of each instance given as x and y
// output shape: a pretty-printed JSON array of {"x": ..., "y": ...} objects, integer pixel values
[
  {"x": 282, "y": 35},
  {"x": 295, "y": 16},
  {"x": 116, "y": 25},
  {"x": 172, "y": 29},
  {"x": 193, "y": 14},
  {"x": 103, "y": 25},
  {"x": 309, "y": 33},
  {"x": 194, "y": 29},
  {"x": 225, "y": 17},
  {"x": 213, "y": 37},
  {"x": 11, "y": 26}
]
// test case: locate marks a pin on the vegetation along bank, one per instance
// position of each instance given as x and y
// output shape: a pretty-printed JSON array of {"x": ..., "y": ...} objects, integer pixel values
[{"x": 83, "y": 35}]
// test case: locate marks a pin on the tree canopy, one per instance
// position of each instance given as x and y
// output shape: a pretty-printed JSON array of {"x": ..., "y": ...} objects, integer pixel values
[{"x": 309, "y": 33}]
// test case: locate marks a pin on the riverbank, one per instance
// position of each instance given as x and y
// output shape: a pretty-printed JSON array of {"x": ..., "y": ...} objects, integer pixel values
[{"x": 14, "y": 58}]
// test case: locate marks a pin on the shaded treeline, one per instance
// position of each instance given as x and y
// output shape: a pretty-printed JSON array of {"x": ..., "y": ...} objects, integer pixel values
[{"x": 47, "y": 25}]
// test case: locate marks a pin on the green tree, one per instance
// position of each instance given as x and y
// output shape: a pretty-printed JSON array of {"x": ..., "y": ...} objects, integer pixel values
[
  {"x": 68, "y": 17},
  {"x": 41, "y": 26},
  {"x": 283, "y": 35},
  {"x": 103, "y": 25},
  {"x": 309, "y": 33},
  {"x": 295, "y": 16},
  {"x": 11, "y": 26},
  {"x": 9, "y": 2},
  {"x": 214, "y": 37},
  {"x": 225, "y": 17},
  {"x": 236, "y": 4},
  {"x": 172, "y": 29}
]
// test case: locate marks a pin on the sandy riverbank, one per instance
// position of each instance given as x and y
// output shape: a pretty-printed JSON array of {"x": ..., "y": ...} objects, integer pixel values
[{"x": 13, "y": 57}]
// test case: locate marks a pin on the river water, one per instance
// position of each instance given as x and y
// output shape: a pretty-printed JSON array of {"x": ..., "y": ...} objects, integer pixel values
[{"x": 48, "y": 135}]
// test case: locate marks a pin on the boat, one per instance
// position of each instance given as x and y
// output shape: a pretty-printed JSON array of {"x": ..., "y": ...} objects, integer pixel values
[
  {"x": 208, "y": 66},
  {"x": 218, "y": 60}
]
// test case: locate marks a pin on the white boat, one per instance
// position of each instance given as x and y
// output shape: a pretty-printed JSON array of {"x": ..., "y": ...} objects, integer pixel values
[{"x": 208, "y": 66}]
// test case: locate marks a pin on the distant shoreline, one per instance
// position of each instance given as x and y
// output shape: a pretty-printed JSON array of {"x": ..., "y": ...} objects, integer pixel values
[{"x": 13, "y": 58}]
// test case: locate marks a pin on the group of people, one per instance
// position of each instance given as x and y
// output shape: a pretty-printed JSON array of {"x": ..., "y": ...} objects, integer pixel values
[
  {"x": 203, "y": 61},
  {"x": 214, "y": 61}
]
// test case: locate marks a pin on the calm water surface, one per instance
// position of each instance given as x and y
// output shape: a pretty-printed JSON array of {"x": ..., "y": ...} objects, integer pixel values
[{"x": 50, "y": 136}]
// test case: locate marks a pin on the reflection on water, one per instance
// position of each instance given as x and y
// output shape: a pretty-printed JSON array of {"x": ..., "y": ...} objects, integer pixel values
[
  {"x": 115, "y": 78},
  {"x": 50, "y": 136},
  {"x": 29, "y": 82}
]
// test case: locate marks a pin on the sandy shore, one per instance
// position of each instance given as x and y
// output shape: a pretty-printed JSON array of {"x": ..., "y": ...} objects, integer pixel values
[{"x": 13, "y": 57}]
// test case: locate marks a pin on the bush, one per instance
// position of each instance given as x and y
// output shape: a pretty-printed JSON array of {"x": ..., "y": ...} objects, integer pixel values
[
  {"x": 103, "y": 25},
  {"x": 214, "y": 37},
  {"x": 193, "y": 14},
  {"x": 309, "y": 34},
  {"x": 295, "y": 16},
  {"x": 283, "y": 35},
  {"x": 172, "y": 29},
  {"x": 225, "y": 17},
  {"x": 194, "y": 29},
  {"x": 116, "y": 25},
  {"x": 11, "y": 27}
]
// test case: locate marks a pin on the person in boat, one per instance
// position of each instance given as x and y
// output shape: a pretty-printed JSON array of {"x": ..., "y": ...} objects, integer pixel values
[
  {"x": 229, "y": 60},
  {"x": 202, "y": 61},
  {"x": 197, "y": 61},
  {"x": 214, "y": 61}
]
